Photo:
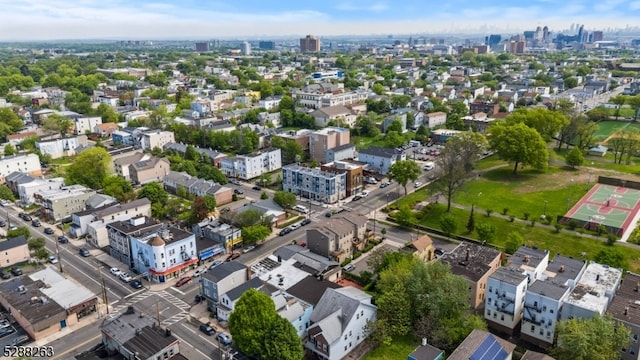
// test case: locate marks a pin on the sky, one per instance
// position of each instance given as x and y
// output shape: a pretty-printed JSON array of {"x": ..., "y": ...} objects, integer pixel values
[{"x": 254, "y": 19}]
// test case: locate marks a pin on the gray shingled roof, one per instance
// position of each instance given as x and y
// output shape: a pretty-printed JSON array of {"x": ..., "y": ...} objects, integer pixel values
[
  {"x": 344, "y": 302},
  {"x": 220, "y": 272}
]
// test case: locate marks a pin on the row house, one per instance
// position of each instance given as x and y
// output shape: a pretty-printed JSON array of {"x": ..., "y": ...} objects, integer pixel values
[
  {"x": 198, "y": 187},
  {"x": 58, "y": 148},
  {"x": 252, "y": 166},
  {"x": 325, "y": 139},
  {"x": 593, "y": 292},
  {"x": 314, "y": 184},
  {"x": 59, "y": 204},
  {"x": 92, "y": 223},
  {"x": 339, "y": 237}
]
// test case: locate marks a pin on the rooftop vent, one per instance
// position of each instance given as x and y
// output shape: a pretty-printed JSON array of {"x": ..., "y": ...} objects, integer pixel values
[{"x": 561, "y": 268}]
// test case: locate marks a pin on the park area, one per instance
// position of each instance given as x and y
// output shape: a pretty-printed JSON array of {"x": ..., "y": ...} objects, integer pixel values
[
  {"x": 608, "y": 128},
  {"x": 520, "y": 203}
]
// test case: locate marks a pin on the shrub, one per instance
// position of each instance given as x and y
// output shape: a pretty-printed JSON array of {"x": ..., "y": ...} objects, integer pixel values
[
  {"x": 572, "y": 224},
  {"x": 234, "y": 197},
  {"x": 611, "y": 239},
  {"x": 505, "y": 211},
  {"x": 512, "y": 218},
  {"x": 533, "y": 222},
  {"x": 558, "y": 227},
  {"x": 489, "y": 212},
  {"x": 526, "y": 216},
  {"x": 356, "y": 255}
]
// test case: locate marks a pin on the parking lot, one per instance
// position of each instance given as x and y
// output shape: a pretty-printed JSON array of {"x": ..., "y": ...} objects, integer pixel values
[{"x": 10, "y": 332}]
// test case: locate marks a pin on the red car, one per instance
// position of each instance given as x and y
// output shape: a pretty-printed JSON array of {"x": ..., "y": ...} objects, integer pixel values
[{"x": 184, "y": 281}]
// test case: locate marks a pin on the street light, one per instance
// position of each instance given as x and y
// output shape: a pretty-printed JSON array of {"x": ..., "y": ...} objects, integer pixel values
[{"x": 569, "y": 198}]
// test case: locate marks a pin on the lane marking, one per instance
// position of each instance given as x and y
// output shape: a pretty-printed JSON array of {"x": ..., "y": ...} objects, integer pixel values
[{"x": 60, "y": 355}]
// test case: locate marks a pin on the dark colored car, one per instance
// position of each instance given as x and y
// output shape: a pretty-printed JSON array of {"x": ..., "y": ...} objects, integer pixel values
[
  {"x": 136, "y": 284},
  {"x": 224, "y": 339},
  {"x": 233, "y": 256},
  {"x": 62, "y": 239},
  {"x": 207, "y": 329},
  {"x": 238, "y": 191},
  {"x": 284, "y": 231},
  {"x": 84, "y": 252},
  {"x": 2, "y": 223},
  {"x": 257, "y": 188},
  {"x": 5, "y": 275},
  {"x": 356, "y": 198},
  {"x": 27, "y": 217},
  {"x": 35, "y": 223},
  {"x": 48, "y": 231},
  {"x": 16, "y": 271},
  {"x": 184, "y": 281},
  {"x": 305, "y": 222}
]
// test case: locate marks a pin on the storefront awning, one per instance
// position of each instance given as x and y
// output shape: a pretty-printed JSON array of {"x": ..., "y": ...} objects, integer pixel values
[{"x": 174, "y": 268}]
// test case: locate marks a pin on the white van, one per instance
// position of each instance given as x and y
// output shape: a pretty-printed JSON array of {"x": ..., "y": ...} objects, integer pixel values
[{"x": 302, "y": 209}]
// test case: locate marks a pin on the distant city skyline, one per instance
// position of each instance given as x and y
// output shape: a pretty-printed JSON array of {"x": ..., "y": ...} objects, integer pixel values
[{"x": 22, "y": 20}]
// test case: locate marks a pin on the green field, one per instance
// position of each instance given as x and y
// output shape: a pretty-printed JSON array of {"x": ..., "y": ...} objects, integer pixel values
[{"x": 606, "y": 128}]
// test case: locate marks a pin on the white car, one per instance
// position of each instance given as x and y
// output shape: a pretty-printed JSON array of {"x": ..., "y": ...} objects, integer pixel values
[
  {"x": 248, "y": 248},
  {"x": 53, "y": 259},
  {"x": 417, "y": 184},
  {"x": 294, "y": 226},
  {"x": 364, "y": 193},
  {"x": 199, "y": 272},
  {"x": 125, "y": 277},
  {"x": 349, "y": 267},
  {"x": 115, "y": 271}
]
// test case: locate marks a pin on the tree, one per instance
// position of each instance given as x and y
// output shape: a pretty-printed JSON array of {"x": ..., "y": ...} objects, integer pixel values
[
  {"x": 255, "y": 233},
  {"x": 486, "y": 232},
  {"x": 209, "y": 202},
  {"x": 634, "y": 102},
  {"x": 119, "y": 188},
  {"x": 21, "y": 231},
  {"x": 618, "y": 100},
  {"x": 574, "y": 157},
  {"x": 611, "y": 256},
  {"x": 155, "y": 193},
  {"x": 285, "y": 199},
  {"x": 547, "y": 123},
  {"x": 199, "y": 210},
  {"x": 9, "y": 150},
  {"x": 471, "y": 223},
  {"x": 6, "y": 193},
  {"x": 264, "y": 195},
  {"x": 36, "y": 243},
  {"x": 449, "y": 224},
  {"x": 596, "y": 338},
  {"x": 520, "y": 144},
  {"x": 10, "y": 122},
  {"x": 57, "y": 123},
  {"x": 247, "y": 218},
  {"x": 254, "y": 324},
  {"x": 90, "y": 168},
  {"x": 514, "y": 240},
  {"x": 404, "y": 171},
  {"x": 405, "y": 216}
]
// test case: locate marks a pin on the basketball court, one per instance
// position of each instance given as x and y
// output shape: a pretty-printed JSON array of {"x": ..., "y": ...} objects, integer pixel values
[{"x": 615, "y": 207}]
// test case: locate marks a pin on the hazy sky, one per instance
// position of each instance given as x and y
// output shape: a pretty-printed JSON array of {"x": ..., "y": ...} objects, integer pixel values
[{"x": 200, "y": 19}]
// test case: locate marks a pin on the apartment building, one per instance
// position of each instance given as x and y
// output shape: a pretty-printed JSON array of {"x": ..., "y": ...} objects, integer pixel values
[
  {"x": 121, "y": 164},
  {"x": 252, "y": 166},
  {"x": 625, "y": 308},
  {"x": 475, "y": 263},
  {"x": 225, "y": 235},
  {"x": 593, "y": 292},
  {"x": 27, "y": 190},
  {"x": 326, "y": 96},
  {"x": 198, "y": 187},
  {"x": 341, "y": 152},
  {"x": 337, "y": 114},
  {"x": 504, "y": 303},
  {"x": 28, "y": 164},
  {"x": 434, "y": 119},
  {"x": 59, "y": 204},
  {"x": 545, "y": 297},
  {"x": 354, "y": 172},
  {"x": 314, "y": 184},
  {"x": 156, "y": 139},
  {"x": 299, "y": 136},
  {"x": 309, "y": 43},
  {"x": 119, "y": 233},
  {"x": 325, "y": 139},
  {"x": 62, "y": 147},
  {"x": 338, "y": 237},
  {"x": 149, "y": 170},
  {"x": 380, "y": 159},
  {"x": 84, "y": 124}
]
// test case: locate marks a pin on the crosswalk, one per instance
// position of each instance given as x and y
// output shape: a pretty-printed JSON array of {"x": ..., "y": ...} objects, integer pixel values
[
  {"x": 182, "y": 306},
  {"x": 130, "y": 301}
]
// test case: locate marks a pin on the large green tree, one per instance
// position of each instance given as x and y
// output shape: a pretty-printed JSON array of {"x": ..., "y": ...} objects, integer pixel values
[
  {"x": 57, "y": 124},
  {"x": 254, "y": 233},
  {"x": 404, "y": 171},
  {"x": 10, "y": 122},
  {"x": 119, "y": 188},
  {"x": 618, "y": 100},
  {"x": 519, "y": 144},
  {"x": 547, "y": 123},
  {"x": 597, "y": 338},
  {"x": 90, "y": 168},
  {"x": 285, "y": 199},
  {"x": 258, "y": 330},
  {"x": 154, "y": 192}
]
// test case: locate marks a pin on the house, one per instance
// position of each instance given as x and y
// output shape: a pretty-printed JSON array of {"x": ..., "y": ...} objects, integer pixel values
[
  {"x": 545, "y": 297},
  {"x": 380, "y": 159},
  {"x": 27, "y": 164},
  {"x": 134, "y": 334},
  {"x": 270, "y": 102},
  {"x": 478, "y": 122},
  {"x": 45, "y": 302},
  {"x": 92, "y": 223},
  {"x": 422, "y": 248},
  {"x": 15, "y": 179},
  {"x": 534, "y": 355},
  {"x": 120, "y": 232},
  {"x": 14, "y": 251},
  {"x": 59, "y": 204},
  {"x": 26, "y": 191},
  {"x": 426, "y": 352},
  {"x": 402, "y": 118},
  {"x": 342, "y": 152},
  {"x": 212, "y": 156},
  {"x": 62, "y": 147},
  {"x": 339, "y": 115},
  {"x": 106, "y": 129},
  {"x": 338, "y": 237},
  {"x": 229, "y": 299},
  {"x": 227, "y": 236},
  {"x": 593, "y": 292},
  {"x": 83, "y": 124},
  {"x": 149, "y": 170},
  {"x": 475, "y": 263},
  {"x": 16, "y": 139},
  {"x": 598, "y": 150},
  {"x": 122, "y": 138},
  {"x": 269, "y": 209},
  {"x": 314, "y": 184},
  {"x": 339, "y": 322},
  {"x": 198, "y": 187},
  {"x": 435, "y": 119},
  {"x": 487, "y": 107},
  {"x": 253, "y": 165},
  {"x": 325, "y": 139},
  {"x": 483, "y": 345},
  {"x": 121, "y": 164},
  {"x": 354, "y": 172},
  {"x": 624, "y": 308},
  {"x": 221, "y": 279},
  {"x": 295, "y": 310},
  {"x": 310, "y": 289}
]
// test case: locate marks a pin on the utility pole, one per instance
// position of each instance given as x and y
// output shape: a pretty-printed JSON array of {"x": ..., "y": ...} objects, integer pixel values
[
  {"x": 104, "y": 290},
  {"x": 158, "y": 313},
  {"x": 60, "y": 259}
]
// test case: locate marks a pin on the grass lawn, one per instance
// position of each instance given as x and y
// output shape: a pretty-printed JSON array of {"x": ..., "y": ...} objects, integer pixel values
[
  {"x": 399, "y": 349},
  {"x": 606, "y": 128},
  {"x": 489, "y": 162},
  {"x": 624, "y": 112}
]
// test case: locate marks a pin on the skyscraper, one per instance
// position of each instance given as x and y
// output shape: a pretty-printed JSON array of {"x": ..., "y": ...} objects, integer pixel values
[
  {"x": 598, "y": 36},
  {"x": 202, "y": 46},
  {"x": 310, "y": 43},
  {"x": 246, "y": 48},
  {"x": 267, "y": 45}
]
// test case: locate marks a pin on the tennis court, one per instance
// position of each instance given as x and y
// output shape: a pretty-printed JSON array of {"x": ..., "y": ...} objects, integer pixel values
[{"x": 614, "y": 207}]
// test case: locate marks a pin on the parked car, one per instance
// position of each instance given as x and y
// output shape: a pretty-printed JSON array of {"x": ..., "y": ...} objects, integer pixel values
[
  {"x": 349, "y": 267},
  {"x": 53, "y": 259},
  {"x": 27, "y": 217},
  {"x": 305, "y": 222},
  {"x": 356, "y": 198},
  {"x": 136, "y": 284},
  {"x": 303, "y": 244},
  {"x": 284, "y": 231},
  {"x": 2, "y": 223},
  {"x": 258, "y": 188},
  {"x": 224, "y": 339},
  {"x": 184, "y": 281},
  {"x": 364, "y": 194},
  {"x": 233, "y": 256},
  {"x": 62, "y": 239},
  {"x": 16, "y": 271},
  {"x": 224, "y": 210},
  {"x": 384, "y": 185},
  {"x": 199, "y": 272},
  {"x": 234, "y": 181},
  {"x": 48, "y": 231},
  {"x": 12, "y": 227},
  {"x": 417, "y": 184},
  {"x": 125, "y": 277},
  {"x": 115, "y": 271},
  {"x": 5, "y": 275},
  {"x": 295, "y": 226},
  {"x": 207, "y": 329},
  {"x": 84, "y": 252},
  {"x": 35, "y": 223},
  {"x": 238, "y": 191},
  {"x": 248, "y": 248},
  {"x": 215, "y": 264}
]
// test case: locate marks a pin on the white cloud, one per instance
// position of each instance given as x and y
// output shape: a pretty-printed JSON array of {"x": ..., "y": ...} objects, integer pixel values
[{"x": 350, "y": 6}]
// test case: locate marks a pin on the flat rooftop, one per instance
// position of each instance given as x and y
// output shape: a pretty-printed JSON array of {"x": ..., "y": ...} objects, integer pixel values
[
  {"x": 596, "y": 286},
  {"x": 470, "y": 260},
  {"x": 509, "y": 275},
  {"x": 626, "y": 302},
  {"x": 527, "y": 258}
]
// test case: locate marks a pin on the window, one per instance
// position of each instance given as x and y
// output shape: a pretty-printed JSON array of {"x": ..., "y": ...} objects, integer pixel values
[
  {"x": 632, "y": 351},
  {"x": 488, "y": 312},
  {"x": 502, "y": 317},
  {"x": 551, "y": 311},
  {"x": 345, "y": 336},
  {"x": 533, "y": 328},
  {"x": 548, "y": 334}
]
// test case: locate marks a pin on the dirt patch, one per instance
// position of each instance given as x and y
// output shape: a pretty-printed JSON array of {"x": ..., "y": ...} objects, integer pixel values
[{"x": 561, "y": 179}]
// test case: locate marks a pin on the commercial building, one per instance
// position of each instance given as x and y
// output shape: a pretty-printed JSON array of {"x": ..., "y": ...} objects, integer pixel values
[
  {"x": 119, "y": 234},
  {"x": 314, "y": 184},
  {"x": 353, "y": 171},
  {"x": 225, "y": 235}
]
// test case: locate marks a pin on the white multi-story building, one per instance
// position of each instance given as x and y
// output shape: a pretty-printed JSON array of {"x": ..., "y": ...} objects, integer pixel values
[
  {"x": 84, "y": 124},
  {"x": 545, "y": 297},
  {"x": 59, "y": 204},
  {"x": 62, "y": 147},
  {"x": 164, "y": 253},
  {"x": 27, "y": 190},
  {"x": 593, "y": 292},
  {"x": 314, "y": 184},
  {"x": 156, "y": 138},
  {"x": 270, "y": 102},
  {"x": 252, "y": 166},
  {"x": 319, "y": 99},
  {"x": 28, "y": 164},
  {"x": 380, "y": 159},
  {"x": 504, "y": 303}
]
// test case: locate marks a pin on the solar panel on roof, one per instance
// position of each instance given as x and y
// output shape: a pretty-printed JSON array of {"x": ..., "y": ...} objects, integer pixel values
[{"x": 490, "y": 349}]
